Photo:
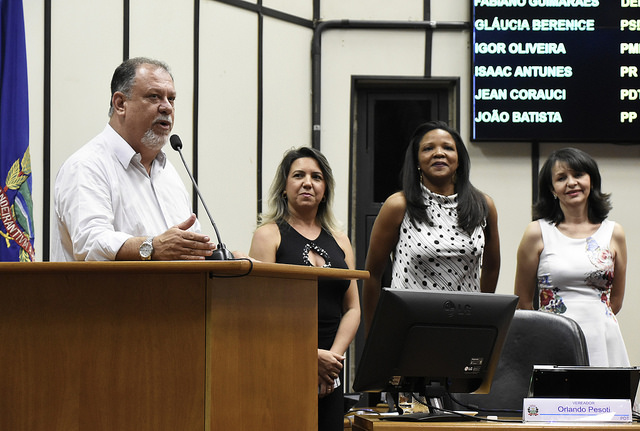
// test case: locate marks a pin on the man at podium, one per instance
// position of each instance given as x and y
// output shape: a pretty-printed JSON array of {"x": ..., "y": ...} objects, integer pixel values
[{"x": 119, "y": 197}]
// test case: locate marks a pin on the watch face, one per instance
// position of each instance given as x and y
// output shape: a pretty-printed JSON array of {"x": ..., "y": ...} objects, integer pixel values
[{"x": 146, "y": 249}]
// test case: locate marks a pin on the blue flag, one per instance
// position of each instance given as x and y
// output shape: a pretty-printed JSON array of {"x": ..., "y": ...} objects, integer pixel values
[{"x": 16, "y": 207}]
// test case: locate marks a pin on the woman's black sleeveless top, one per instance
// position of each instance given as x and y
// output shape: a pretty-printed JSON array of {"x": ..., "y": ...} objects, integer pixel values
[{"x": 294, "y": 249}]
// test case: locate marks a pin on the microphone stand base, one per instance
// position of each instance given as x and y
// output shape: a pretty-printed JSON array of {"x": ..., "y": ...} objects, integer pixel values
[{"x": 220, "y": 253}]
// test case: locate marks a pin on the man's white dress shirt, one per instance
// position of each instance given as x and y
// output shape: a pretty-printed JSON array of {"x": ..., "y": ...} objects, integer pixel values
[{"x": 104, "y": 196}]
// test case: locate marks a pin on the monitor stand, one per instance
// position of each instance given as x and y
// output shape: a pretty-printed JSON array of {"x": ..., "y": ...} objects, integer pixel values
[{"x": 439, "y": 415}]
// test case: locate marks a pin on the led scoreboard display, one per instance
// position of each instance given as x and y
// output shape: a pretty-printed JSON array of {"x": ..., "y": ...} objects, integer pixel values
[{"x": 556, "y": 70}]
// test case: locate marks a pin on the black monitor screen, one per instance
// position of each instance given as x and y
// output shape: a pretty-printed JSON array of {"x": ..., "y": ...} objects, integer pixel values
[
  {"x": 553, "y": 381},
  {"x": 423, "y": 338},
  {"x": 556, "y": 70}
]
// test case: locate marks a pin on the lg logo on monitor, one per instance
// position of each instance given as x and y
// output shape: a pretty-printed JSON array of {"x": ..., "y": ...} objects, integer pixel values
[{"x": 453, "y": 309}]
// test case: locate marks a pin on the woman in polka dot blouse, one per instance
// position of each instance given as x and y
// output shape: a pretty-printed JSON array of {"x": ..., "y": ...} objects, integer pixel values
[{"x": 442, "y": 231}]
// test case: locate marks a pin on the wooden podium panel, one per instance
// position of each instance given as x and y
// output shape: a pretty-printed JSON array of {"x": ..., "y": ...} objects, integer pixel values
[
  {"x": 158, "y": 345},
  {"x": 261, "y": 333}
]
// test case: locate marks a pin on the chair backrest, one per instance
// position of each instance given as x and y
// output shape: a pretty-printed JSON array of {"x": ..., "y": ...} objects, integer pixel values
[{"x": 534, "y": 338}]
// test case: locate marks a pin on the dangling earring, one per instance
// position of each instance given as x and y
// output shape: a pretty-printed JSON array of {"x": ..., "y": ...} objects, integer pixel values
[{"x": 420, "y": 175}]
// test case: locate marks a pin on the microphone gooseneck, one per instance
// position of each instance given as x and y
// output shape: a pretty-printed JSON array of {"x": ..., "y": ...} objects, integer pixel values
[{"x": 221, "y": 252}]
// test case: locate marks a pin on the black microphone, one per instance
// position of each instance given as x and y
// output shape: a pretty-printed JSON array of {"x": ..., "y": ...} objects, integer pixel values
[{"x": 221, "y": 252}]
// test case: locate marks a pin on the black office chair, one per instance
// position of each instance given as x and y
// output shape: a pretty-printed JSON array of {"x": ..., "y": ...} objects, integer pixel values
[{"x": 534, "y": 338}]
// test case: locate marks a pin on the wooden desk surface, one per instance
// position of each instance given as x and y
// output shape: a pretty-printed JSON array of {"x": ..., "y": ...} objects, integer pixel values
[{"x": 371, "y": 423}]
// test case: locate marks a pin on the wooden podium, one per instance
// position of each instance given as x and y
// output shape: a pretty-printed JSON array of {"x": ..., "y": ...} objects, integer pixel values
[{"x": 159, "y": 345}]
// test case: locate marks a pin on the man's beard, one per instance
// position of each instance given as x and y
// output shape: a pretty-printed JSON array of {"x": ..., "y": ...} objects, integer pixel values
[{"x": 154, "y": 141}]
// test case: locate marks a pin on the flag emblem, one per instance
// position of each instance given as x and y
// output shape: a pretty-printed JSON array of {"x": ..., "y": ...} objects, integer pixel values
[{"x": 16, "y": 217}]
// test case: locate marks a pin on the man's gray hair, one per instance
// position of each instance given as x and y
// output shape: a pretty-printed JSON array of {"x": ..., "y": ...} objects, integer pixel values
[{"x": 124, "y": 76}]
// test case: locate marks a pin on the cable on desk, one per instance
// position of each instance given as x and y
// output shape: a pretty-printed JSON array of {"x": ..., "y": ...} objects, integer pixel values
[{"x": 212, "y": 275}]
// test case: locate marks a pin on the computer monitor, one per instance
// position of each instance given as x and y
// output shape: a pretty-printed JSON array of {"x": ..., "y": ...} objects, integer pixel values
[{"x": 432, "y": 342}]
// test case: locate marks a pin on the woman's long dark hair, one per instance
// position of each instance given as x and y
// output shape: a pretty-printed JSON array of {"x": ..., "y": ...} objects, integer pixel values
[
  {"x": 472, "y": 204},
  {"x": 547, "y": 207}
]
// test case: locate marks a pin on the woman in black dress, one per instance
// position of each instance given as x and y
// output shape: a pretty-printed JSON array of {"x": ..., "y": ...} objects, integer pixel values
[{"x": 300, "y": 229}]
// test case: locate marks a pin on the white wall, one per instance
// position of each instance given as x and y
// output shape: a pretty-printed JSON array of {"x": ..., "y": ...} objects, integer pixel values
[
  {"x": 227, "y": 119},
  {"x": 87, "y": 43},
  {"x": 287, "y": 106}
]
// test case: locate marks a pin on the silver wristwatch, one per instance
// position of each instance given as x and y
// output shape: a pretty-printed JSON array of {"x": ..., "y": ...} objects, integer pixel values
[{"x": 146, "y": 249}]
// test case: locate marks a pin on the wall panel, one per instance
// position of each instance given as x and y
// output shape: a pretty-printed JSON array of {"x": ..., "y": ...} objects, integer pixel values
[
  {"x": 452, "y": 10},
  {"x": 287, "y": 85},
  {"x": 373, "y": 10},
  {"x": 228, "y": 120},
  {"x": 301, "y": 9}
]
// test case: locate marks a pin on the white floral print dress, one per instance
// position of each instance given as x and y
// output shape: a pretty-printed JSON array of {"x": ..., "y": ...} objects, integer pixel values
[{"x": 574, "y": 279}]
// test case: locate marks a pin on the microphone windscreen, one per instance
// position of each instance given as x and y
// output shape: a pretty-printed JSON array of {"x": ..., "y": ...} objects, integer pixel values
[{"x": 176, "y": 143}]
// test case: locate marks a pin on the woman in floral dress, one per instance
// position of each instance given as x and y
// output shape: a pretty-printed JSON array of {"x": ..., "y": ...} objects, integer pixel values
[{"x": 574, "y": 256}]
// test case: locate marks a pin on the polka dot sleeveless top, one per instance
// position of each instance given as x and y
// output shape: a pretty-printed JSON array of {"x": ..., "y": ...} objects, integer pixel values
[{"x": 438, "y": 257}]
